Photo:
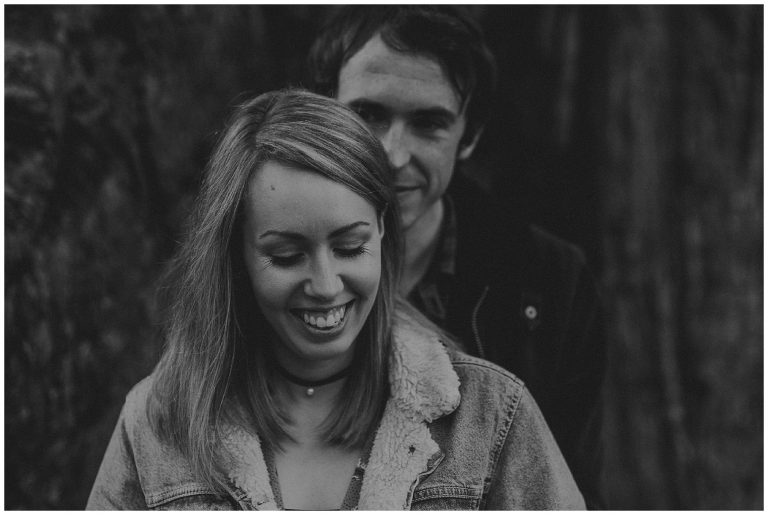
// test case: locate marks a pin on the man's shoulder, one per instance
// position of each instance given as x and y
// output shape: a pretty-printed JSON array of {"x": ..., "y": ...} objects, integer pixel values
[
  {"x": 551, "y": 246},
  {"x": 495, "y": 234}
]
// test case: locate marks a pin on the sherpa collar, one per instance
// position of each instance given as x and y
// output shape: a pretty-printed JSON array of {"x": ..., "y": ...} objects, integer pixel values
[{"x": 423, "y": 387}]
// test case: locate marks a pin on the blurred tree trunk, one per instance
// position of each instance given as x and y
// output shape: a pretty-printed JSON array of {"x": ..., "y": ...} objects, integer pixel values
[{"x": 682, "y": 211}]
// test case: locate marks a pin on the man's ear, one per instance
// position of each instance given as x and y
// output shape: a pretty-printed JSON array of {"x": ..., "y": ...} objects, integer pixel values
[{"x": 468, "y": 144}]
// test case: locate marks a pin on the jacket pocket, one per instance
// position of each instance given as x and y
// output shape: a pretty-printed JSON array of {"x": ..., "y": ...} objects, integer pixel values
[{"x": 447, "y": 498}]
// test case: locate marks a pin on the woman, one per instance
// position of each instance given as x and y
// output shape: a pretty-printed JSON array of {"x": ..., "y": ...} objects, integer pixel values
[{"x": 292, "y": 377}]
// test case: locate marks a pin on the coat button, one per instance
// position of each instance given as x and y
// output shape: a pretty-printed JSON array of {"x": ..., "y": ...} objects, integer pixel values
[{"x": 531, "y": 312}]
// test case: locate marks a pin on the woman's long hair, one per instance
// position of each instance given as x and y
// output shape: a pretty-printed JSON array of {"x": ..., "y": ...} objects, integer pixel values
[{"x": 216, "y": 362}]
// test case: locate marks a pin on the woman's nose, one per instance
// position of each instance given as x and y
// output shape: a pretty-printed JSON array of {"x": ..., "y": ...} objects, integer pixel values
[
  {"x": 324, "y": 282},
  {"x": 395, "y": 142}
]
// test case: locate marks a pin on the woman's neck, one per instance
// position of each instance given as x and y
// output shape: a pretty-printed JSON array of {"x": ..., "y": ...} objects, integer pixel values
[
  {"x": 307, "y": 390},
  {"x": 294, "y": 393},
  {"x": 307, "y": 411}
]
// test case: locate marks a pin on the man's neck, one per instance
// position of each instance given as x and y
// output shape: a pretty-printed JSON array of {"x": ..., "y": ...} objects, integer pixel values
[{"x": 420, "y": 243}]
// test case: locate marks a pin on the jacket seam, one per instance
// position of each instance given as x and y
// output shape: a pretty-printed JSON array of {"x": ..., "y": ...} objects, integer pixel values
[
  {"x": 431, "y": 467},
  {"x": 173, "y": 494},
  {"x": 475, "y": 330},
  {"x": 470, "y": 361},
  {"x": 501, "y": 440},
  {"x": 439, "y": 492}
]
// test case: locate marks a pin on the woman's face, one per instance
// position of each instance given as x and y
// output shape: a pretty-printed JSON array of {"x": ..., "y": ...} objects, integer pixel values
[{"x": 313, "y": 254}]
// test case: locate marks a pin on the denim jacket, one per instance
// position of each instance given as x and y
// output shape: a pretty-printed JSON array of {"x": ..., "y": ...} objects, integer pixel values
[{"x": 457, "y": 433}]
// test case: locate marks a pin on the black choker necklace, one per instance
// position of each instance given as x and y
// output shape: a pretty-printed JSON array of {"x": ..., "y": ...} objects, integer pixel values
[{"x": 311, "y": 385}]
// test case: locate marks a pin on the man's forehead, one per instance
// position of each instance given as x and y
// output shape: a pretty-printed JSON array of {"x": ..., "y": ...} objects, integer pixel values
[{"x": 379, "y": 74}]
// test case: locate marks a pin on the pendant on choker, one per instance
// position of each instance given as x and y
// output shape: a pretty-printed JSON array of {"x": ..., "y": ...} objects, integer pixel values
[{"x": 311, "y": 385}]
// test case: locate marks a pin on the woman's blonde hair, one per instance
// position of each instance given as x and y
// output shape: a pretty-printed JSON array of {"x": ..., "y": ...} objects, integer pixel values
[{"x": 216, "y": 361}]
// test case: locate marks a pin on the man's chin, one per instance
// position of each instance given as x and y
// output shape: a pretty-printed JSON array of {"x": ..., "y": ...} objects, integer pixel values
[
  {"x": 419, "y": 216},
  {"x": 408, "y": 220},
  {"x": 410, "y": 209}
]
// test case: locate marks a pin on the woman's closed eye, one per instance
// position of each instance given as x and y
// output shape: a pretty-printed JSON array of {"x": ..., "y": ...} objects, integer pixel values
[
  {"x": 351, "y": 252},
  {"x": 293, "y": 259},
  {"x": 285, "y": 260}
]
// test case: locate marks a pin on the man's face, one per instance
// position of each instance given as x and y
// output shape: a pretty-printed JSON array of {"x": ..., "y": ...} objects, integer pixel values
[{"x": 414, "y": 110}]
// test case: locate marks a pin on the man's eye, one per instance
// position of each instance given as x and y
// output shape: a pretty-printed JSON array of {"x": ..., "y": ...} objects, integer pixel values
[
  {"x": 429, "y": 124},
  {"x": 371, "y": 116},
  {"x": 285, "y": 260}
]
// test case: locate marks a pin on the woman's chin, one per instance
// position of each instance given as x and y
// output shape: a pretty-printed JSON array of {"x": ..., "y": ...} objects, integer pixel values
[
  {"x": 304, "y": 352},
  {"x": 307, "y": 343}
]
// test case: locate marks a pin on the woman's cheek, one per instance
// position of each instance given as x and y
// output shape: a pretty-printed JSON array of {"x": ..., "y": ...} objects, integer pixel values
[
  {"x": 368, "y": 276},
  {"x": 272, "y": 287}
]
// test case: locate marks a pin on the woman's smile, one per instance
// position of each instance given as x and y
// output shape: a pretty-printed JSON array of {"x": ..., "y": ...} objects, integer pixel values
[{"x": 325, "y": 322}]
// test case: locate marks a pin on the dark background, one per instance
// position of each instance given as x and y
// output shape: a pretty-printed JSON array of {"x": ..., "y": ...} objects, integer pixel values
[{"x": 635, "y": 131}]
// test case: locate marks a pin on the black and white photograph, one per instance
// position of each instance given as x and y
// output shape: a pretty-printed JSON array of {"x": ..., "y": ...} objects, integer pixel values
[{"x": 384, "y": 257}]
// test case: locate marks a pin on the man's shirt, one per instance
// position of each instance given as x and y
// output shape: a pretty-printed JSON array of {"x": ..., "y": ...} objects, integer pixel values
[{"x": 434, "y": 290}]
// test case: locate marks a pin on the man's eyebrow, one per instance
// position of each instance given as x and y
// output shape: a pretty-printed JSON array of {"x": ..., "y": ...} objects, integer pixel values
[
  {"x": 436, "y": 111},
  {"x": 297, "y": 236},
  {"x": 362, "y": 102},
  {"x": 369, "y": 105}
]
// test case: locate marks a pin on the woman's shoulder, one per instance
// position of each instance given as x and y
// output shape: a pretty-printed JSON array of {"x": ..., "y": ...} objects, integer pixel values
[
  {"x": 487, "y": 387},
  {"x": 137, "y": 401},
  {"x": 137, "y": 419},
  {"x": 479, "y": 382},
  {"x": 474, "y": 369}
]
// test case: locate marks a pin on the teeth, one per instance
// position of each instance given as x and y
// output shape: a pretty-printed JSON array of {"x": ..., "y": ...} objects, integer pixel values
[{"x": 332, "y": 318}]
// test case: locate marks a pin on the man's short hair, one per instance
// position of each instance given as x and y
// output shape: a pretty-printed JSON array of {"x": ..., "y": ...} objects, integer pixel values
[{"x": 446, "y": 34}]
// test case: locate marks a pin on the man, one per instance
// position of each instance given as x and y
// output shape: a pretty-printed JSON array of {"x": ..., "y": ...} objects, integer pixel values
[{"x": 423, "y": 79}]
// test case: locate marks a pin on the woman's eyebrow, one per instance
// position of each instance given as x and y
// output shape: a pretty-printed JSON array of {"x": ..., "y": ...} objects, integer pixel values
[
  {"x": 347, "y": 228},
  {"x": 284, "y": 234},
  {"x": 297, "y": 236}
]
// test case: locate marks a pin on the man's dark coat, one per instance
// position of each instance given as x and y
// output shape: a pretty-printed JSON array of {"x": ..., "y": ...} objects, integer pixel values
[{"x": 525, "y": 300}]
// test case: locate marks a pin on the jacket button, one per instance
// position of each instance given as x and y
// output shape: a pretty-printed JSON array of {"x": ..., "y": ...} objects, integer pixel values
[{"x": 531, "y": 312}]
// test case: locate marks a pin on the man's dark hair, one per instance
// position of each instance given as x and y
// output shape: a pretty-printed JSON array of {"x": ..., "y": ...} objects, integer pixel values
[{"x": 446, "y": 34}]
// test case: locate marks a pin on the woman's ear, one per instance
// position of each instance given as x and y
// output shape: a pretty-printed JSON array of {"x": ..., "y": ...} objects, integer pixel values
[
  {"x": 468, "y": 143},
  {"x": 381, "y": 222}
]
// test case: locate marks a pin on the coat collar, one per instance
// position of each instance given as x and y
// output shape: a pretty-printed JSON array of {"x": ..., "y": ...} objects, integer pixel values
[{"x": 423, "y": 387}]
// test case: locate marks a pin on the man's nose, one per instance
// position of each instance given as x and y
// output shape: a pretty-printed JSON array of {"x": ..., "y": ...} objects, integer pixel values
[
  {"x": 397, "y": 145},
  {"x": 324, "y": 282}
]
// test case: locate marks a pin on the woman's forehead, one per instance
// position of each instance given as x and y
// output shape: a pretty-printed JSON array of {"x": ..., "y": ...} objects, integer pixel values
[{"x": 282, "y": 197}]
